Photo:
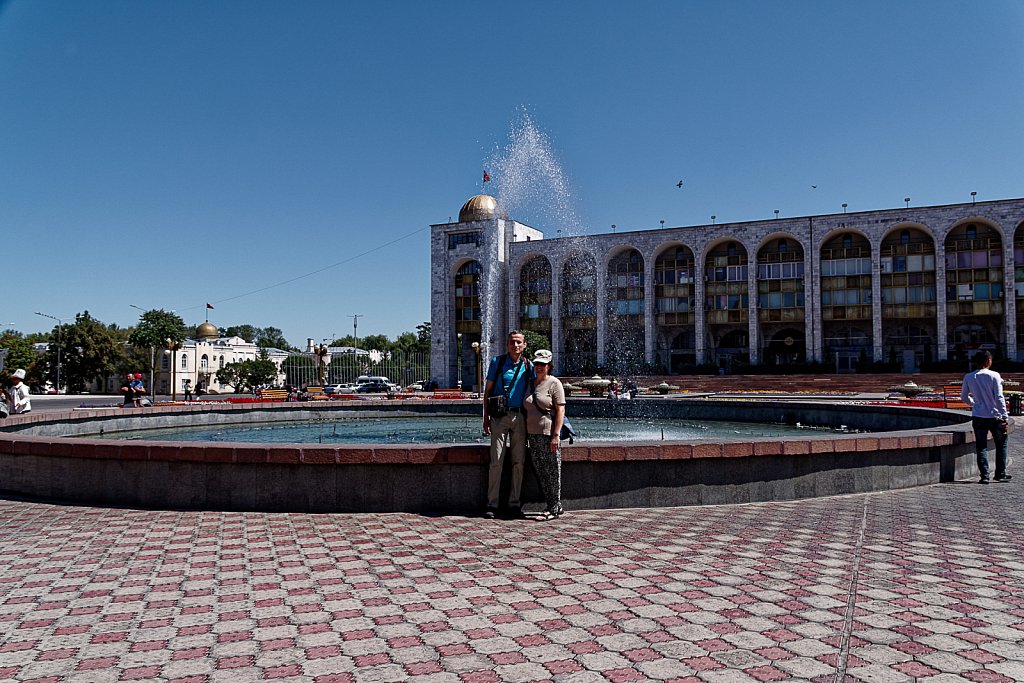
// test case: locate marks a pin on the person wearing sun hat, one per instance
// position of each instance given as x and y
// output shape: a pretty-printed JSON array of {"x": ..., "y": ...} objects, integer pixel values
[
  {"x": 545, "y": 412},
  {"x": 17, "y": 395}
]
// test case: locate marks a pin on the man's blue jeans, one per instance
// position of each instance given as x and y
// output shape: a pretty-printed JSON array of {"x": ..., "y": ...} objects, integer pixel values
[{"x": 982, "y": 427}]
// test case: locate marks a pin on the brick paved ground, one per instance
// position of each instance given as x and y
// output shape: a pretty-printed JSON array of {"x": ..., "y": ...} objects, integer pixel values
[{"x": 924, "y": 584}]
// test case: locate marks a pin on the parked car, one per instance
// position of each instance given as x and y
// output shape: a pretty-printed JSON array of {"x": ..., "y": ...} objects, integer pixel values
[
  {"x": 423, "y": 385},
  {"x": 375, "y": 387},
  {"x": 339, "y": 388}
]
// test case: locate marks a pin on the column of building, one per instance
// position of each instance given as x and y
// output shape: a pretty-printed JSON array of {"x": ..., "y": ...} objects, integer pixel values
[
  {"x": 698, "y": 309},
  {"x": 600, "y": 277},
  {"x": 556, "y": 314},
  {"x": 754, "y": 346},
  {"x": 649, "y": 326},
  {"x": 941, "y": 337},
  {"x": 877, "y": 352},
  {"x": 1010, "y": 297}
]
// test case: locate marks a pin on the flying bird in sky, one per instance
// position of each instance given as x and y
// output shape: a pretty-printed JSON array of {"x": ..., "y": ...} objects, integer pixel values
[
  {"x": 814, "y": 187},
  {"x": 680, "y": 184}
]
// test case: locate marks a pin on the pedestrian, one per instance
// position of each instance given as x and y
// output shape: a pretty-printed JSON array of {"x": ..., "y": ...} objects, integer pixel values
[
  {"x": 983, "y": 391},
  {"x": 17, "y": 395},
  {"x": 128, "y": 391},
  {"x": 138, "y": 389},
  {"x": 507, "y": 378},
  {"x": 545, "y": 411},
  {"x": 188, "y": 390}
]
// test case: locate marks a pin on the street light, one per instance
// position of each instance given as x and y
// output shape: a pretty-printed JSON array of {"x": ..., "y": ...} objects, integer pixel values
[
  {"x": 173, "y": 347},
  {"x": 973, "y": 196},
  {"x": 60, "y": 324},
  {"x": 907, "y": 200},
  {"x": 477, "y": 378}
]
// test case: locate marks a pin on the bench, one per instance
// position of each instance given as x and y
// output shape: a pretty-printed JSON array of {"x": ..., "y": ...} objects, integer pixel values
[
  {"x": 951, "y": 397},
  {"x": 317, "y": 394},
  {"x": 273, "y": 395},
  {"x": 447, "y": 393}
]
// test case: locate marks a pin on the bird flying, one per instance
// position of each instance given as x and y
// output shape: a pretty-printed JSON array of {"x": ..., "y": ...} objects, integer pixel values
[{"x": 680, "y": 184}]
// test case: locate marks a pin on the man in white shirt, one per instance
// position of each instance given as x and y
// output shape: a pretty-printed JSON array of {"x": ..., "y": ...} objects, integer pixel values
[
  {"x": 983, "y": 391},
  {"x": 17, "y": 395}
]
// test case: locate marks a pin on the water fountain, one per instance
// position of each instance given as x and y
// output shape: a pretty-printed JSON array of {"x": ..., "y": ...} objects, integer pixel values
[{"x": 70, "y": 456}]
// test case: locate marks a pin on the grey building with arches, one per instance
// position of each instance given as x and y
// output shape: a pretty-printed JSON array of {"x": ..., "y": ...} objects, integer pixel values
[{"x": 905, "y": 286}]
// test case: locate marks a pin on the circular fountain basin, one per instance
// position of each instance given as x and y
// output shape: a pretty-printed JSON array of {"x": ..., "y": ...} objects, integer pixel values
[{"x": 69, "y": 456}]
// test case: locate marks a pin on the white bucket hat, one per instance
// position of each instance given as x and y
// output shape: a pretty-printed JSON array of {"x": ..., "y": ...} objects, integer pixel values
[
  {"x": 19, "y": 373},
  {"x": 542, "y": 356}
]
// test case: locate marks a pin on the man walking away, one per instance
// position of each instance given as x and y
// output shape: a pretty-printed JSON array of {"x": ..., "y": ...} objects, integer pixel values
[{"x": 983, "y": 391}]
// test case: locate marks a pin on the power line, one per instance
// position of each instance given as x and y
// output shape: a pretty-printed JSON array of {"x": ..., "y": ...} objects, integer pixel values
[{"x": 311, "y": 273}]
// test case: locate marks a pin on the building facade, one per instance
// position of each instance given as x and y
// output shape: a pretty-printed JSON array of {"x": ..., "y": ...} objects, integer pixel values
[{"x": 902, "y": 286}]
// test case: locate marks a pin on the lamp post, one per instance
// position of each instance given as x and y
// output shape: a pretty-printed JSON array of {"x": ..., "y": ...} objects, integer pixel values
[
  {"x": 973, "y": 197},
  {"x": 173, "y": 347},
  {"x": 907, "y": 200},
  {"x": 477, "y": 378},
  {"x": 60, "y": 324},
  {"x": 844, "y": 207}
]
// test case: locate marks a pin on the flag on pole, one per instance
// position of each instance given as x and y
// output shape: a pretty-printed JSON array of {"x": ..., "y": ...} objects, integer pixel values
[
  {"x": 487, "y": 176},
  {"x": 209, "y": 305}
]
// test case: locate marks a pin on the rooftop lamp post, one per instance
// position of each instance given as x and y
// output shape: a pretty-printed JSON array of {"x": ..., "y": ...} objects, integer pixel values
[
  {"x": 172, "y": 348},
  {"x": 60, "y": 324}
]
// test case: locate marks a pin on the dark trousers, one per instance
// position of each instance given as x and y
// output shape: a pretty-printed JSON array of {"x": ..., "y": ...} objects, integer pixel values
[{"x": 983, "y": 426}]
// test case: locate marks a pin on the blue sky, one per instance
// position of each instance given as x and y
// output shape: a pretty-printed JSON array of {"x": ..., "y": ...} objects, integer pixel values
[{"x": 169, "y": 154}]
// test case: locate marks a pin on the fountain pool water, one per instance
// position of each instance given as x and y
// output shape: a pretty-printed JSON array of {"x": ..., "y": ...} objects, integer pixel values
[{"x": 461, "y": 430}]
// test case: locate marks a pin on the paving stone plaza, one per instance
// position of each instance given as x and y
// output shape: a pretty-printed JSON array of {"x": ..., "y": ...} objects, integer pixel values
[{"x": 917, "y": 584}]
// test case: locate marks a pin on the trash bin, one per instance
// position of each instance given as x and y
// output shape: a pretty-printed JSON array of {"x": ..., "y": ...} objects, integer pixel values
[{"x": 1014, "y": 401}]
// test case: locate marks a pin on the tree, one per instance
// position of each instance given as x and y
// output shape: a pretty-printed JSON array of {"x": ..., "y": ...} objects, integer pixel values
[
  {"x": 21, "y": 354},
  {"x": 155, "y": 327},
  {"x": 247, "y": 332},
  {"x": 423, "y": 337},
  {"x": 231, "y": 375},
  {"x": 379, "y": 342},
  {"x": 89, "y": 351},
  {"x": 535, "y": 341},
  {"x": 261, "y": 371},
  {"x": 272, "y": 338}
]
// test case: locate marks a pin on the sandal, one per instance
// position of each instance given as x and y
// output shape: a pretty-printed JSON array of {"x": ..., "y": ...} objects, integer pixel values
[{"x": 547, "y": 516}]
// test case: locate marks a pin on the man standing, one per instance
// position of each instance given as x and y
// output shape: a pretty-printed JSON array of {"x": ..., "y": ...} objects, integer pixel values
[
  {"x": 18, "y": 396},
  {"x": 983, "y": 391},
  {"x": 507, "y": 378}
]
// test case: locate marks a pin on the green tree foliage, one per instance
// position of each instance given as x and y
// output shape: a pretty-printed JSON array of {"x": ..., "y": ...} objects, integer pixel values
[
  {"x": 272, "y": 338},
  {"x": 423, "y": 337},
  {"x": 149, "y": 336},
  {"x": 535, "y": 341},
  {"x": 379, "y": 342},
  {"x": 156, "y": 327},
  {"x": 247, "y": 374},
  {"x": 231, "y": 375},
  {"x": 21, "y": 354},
  {"x": 89, "y": 351},
  {"x": 247, "y": 332}
]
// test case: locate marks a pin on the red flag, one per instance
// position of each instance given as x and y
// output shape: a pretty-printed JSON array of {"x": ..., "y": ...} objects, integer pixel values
[
  {"x": 209, "y": 305},
  {"x": 487, "y": 177}
]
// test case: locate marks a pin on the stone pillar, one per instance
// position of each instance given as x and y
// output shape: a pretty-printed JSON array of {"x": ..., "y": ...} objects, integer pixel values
[
  {"x": 649, "y": 327},
  {"x": 1009, "y": 299},
  {"x": 557, "y": 350},
  {"x": 700, "y": 326},
  {"x": 811, "y": 350},
  {"x": 600, "y": 276},
  {"x": 754, "y": 346},
  {"x": 941, "y": 324},
  {"x": 876, "y": 303}
]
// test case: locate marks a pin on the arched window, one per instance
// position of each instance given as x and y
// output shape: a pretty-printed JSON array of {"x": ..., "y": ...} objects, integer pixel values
[
  {"x": 221, "y": 365},
  {"x": 204, "y": 362},
  {"x": 184, "y": 362}
]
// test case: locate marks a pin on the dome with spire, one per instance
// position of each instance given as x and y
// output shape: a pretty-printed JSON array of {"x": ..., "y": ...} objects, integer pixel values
[
  {"x": 207, "y": 330},
  {"x": 482, "y": 207}
]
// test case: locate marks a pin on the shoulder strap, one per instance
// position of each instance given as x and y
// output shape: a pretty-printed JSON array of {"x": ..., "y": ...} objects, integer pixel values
[{"x": 533, "y": 392}]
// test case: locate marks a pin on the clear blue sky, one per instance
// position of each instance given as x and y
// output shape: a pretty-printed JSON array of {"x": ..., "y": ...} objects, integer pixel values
[{"x": 169, "y": 154}]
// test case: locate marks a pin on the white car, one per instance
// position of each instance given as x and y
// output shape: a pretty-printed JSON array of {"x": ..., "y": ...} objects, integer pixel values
[{"x": 339, "y": 389}]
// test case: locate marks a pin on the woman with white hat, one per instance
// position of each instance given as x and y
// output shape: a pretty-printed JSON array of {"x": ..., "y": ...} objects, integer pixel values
[
  {"x": 545, "y": 411},
  {"x": 17, "y": 394}
]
